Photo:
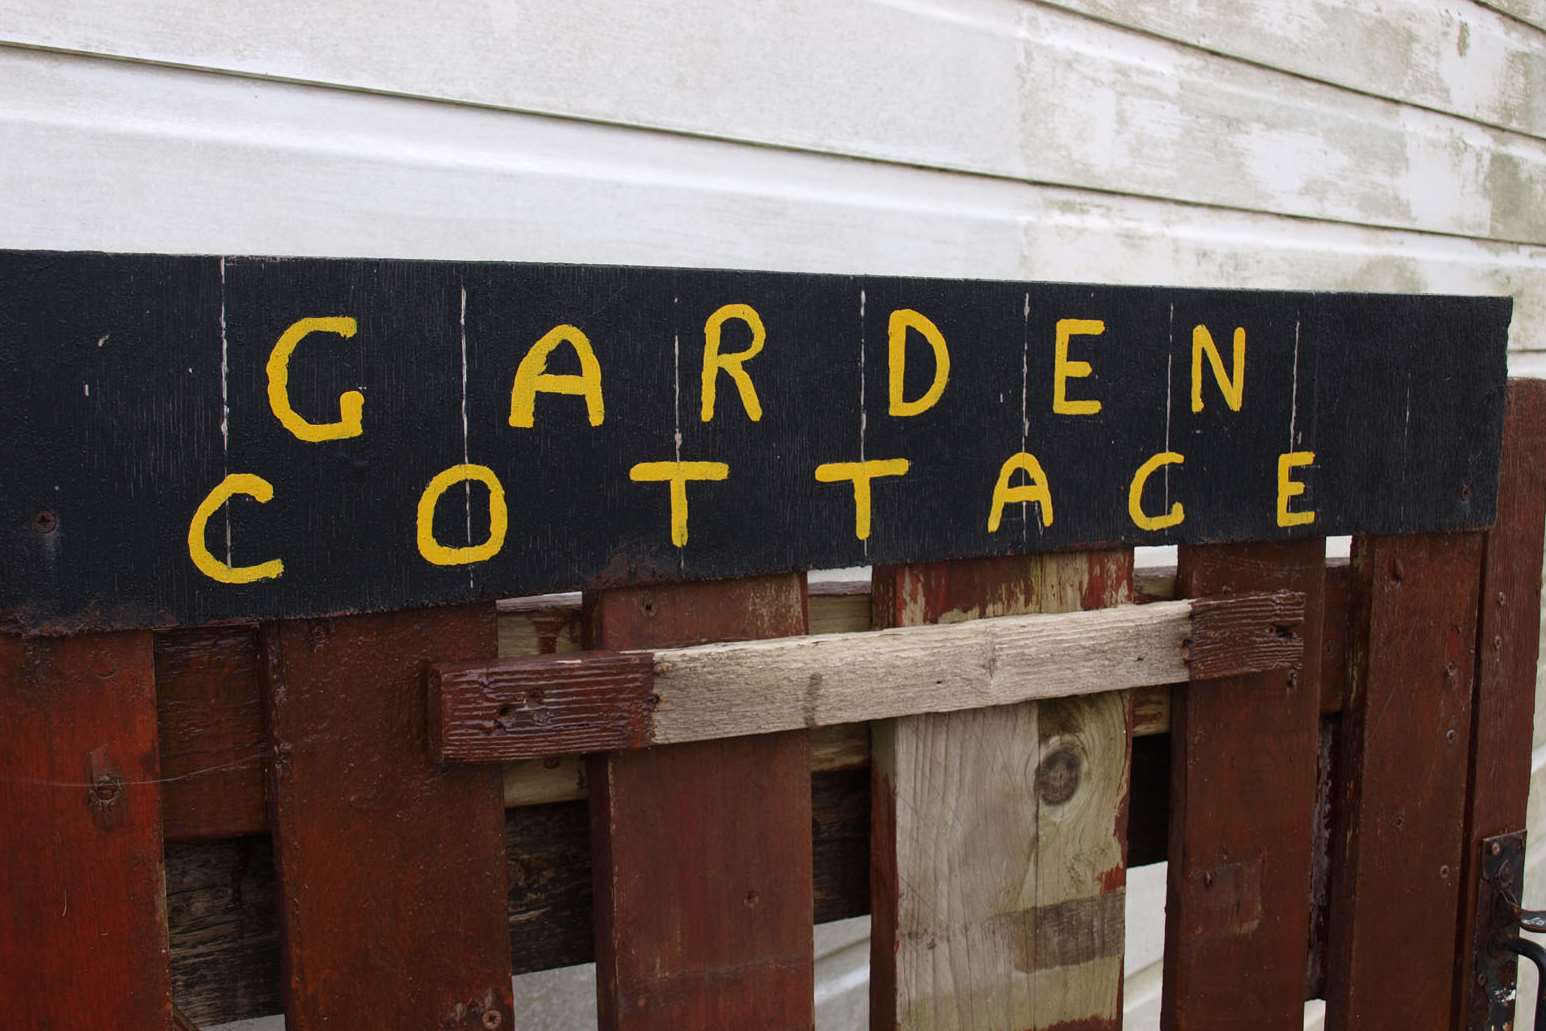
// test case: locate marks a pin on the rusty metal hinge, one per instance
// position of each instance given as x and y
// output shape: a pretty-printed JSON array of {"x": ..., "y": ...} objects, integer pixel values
[{"x": 1497, "y": 946}]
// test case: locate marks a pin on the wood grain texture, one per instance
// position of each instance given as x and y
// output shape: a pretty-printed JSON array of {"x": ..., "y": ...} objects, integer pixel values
[
  {"x": 595, "y": 702},
  {"x": 998, "y": 843},
  {"x": 1234, "y": 635},
  {"x": 1244, "y": 752},
  {"x": 1504, "y": 702},
  {"x": 83, "y": 933},
  {"x": 1398, "y": 843},
  {"x": 606, "y": 701},
  {"x": 213, "y": 750},
  {"x": 222, "y": 908},
  {"x": 419, "y": 941},
  {"x": 89, "y": 169},
  {"x": 1247, "y": 136},
  {"x": 702, "y": 851}
]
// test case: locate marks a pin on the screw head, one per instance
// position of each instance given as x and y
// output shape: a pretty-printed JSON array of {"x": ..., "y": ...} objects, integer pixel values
[{"x": 45, "y": 522}]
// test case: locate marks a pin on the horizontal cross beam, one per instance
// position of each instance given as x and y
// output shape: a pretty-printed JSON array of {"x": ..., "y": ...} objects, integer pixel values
[{"x": 612, "y": 701}]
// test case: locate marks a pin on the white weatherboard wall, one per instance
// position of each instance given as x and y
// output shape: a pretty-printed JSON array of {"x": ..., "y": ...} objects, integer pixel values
[{"x": 1311, "y": 144}]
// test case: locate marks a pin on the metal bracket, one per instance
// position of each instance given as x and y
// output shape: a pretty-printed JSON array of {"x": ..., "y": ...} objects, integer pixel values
[{"x": 1498, "y": 892}]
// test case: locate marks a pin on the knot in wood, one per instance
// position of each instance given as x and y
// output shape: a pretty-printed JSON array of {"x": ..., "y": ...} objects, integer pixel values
[{"x": 1057, "y": 777}]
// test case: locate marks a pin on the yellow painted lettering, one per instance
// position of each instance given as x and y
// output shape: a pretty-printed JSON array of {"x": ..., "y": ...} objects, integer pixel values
[
  {"x": 733, "y": 363},
  {"x": 351, "y": 403},
  {"x": 902, "y": 320},
  {"x": 532, "y": 377},
  {"x": 1135, "y": 495},
  {"x": 1065, "y": 369},
  {"x": 677, "y": 474},
  {"x": 1291, "y": 488},
  {"x": 498, "y": 517},
  {"x": 1034, "y": 488},
  {"x": 861, "y": 473},
  {"x": 252, "y": 486},
  {"x": 1233, "y": 385}
]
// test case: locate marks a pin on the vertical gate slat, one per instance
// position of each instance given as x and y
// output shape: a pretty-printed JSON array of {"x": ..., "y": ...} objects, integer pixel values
[
  {"x": 1244, "y": 754},
  {"x": 702, "y": 851},
  {"x": 999, "y": 835},
  {"x": 1405, "y": 728},
  {"x": 83, "y": 936},
  {"x": 391, "y": 871},
  {"x": 1504, "y": 703}
]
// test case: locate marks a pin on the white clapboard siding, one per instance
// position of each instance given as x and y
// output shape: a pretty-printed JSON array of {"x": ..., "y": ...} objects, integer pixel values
[
  {"x": 111, "y": 155},
  {"x": 1460, "y": 58},
  {"x": 1532, "y": 12},
  {"x": 1004, "y": 88}
]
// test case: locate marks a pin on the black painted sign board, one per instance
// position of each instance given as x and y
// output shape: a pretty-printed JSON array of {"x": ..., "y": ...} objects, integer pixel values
[{"x": 190, "y": 439}]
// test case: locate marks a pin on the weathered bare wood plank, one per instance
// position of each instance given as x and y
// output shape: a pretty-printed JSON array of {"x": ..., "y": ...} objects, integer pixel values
[
  {"x": 525, "y": 708},
  {"x": 1028, "y": 933}
]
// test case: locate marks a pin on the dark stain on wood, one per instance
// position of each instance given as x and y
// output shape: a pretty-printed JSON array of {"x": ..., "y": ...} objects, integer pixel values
[{"x": 220, "y": 898}]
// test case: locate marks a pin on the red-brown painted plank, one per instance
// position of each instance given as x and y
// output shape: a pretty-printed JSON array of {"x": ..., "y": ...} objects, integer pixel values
[
  {"x": 702, "y": 851},
  {"x": 1244, "y": 753},
  {"x": 83, "y": 938},
  {"x": 213, "y": 742},
  {"x": 570, "y": 705},
  {"x": 1404, "y": 763},
  {"x": 391, "y": 869},
  {"x": 1503, "y": 707}
]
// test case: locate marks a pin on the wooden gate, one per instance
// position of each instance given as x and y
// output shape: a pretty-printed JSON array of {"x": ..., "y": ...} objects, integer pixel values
[{"x": 372, "y": 820}]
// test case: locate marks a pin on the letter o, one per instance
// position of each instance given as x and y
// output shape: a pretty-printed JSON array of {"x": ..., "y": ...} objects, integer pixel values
[{"x": 498, "y": 517}]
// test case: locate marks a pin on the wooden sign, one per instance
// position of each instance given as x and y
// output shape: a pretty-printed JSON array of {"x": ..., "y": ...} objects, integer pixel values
[{"x": 189, "y": 439}]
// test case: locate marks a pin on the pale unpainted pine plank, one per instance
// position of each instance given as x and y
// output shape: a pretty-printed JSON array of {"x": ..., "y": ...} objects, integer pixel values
[
  {"x": 103, "y": 155},
  {"x": 993, "y": 900},
  {"x": 1463, "y": 59},
  {"x": 1081, "y": 863},
  {"x": 1053, "y": 97}
]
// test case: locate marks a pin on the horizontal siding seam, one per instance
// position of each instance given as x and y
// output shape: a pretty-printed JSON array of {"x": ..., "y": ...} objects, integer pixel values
[
  {"x": 784, "y": 147},
  {"x": 1136, "y": 30}
]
